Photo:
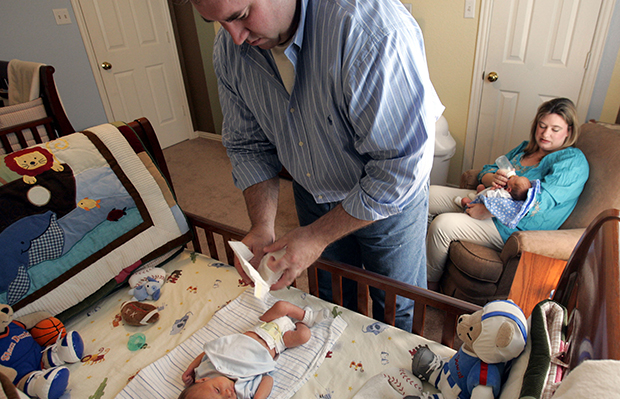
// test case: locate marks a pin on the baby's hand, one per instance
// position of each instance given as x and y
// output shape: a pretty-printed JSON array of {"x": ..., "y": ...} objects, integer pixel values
[{"x": 188, "y": 377}]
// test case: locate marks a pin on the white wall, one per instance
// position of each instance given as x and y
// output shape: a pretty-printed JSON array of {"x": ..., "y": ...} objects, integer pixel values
[{"x": 29, "y": 32}]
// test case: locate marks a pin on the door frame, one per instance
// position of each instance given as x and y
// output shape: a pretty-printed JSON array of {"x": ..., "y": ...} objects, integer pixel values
[
  {"x": 482, "y": 43},
  {"x": 94, "y": 64}
]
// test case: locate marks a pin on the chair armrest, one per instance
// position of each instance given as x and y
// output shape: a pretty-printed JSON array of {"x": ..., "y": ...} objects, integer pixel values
[
  {"x": 469, "y": 179},
  {"x": 558, "y": 244}
]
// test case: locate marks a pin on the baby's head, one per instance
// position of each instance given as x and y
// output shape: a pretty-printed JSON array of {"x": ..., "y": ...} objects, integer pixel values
[
  {"x": 517, "y": 186},
  {"x": 208, "y": 388}
]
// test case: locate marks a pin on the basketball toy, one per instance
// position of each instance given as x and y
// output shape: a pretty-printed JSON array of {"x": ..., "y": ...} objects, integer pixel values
[{"x": 46, "y": 331}]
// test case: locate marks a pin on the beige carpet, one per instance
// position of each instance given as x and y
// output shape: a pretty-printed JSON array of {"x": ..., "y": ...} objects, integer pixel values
[{"x": 202, "y": 180}]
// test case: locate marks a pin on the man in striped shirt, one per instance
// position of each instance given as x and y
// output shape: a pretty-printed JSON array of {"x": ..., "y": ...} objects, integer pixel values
[{"x": 338, "y": 92}]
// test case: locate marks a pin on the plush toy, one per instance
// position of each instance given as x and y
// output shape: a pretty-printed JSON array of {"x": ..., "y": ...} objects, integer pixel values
[
  {"x": 139, "y": 314},
  {"x": 146, "y": 283},
  {"x": 151, "y": 290},
  {"x": 47, "y": 330},
  {"x": 491, "y": 337},
  {"x": 36, "y": 371}
]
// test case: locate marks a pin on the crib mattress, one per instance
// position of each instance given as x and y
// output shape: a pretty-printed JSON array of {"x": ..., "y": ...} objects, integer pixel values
[{"x": 196, "y": 287}]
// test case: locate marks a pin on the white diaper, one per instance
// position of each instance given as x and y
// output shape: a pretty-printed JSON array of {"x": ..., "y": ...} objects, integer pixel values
[{"x": 273, "y": 332}]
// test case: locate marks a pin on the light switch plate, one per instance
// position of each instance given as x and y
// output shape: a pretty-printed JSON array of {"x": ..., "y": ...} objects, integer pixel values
[{"x": 470, "y": 8}]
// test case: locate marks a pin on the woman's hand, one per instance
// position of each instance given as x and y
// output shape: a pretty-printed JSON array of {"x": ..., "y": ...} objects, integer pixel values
[
  {"x": 499, "y": 179},
  {"x": 478, "y": 211}
]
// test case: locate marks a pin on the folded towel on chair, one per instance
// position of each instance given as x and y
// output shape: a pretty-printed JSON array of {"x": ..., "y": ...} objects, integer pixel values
[{"x": 162, "y": 379}]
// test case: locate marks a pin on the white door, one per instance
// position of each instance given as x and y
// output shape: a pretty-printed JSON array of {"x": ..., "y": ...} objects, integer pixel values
[
  {"x": 134, "y": 49},
  {"x": 538, "y": 50}
]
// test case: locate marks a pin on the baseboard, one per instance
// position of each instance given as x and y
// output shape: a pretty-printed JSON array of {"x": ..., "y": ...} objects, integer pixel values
[{"x": 209, "y": 136}]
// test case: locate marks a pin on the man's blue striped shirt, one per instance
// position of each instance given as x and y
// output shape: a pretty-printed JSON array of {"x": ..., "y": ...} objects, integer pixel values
[{"x": 359, "y": 124}]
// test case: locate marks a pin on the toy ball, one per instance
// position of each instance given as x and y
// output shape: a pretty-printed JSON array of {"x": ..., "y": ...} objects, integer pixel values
[{"x": 46, "y": 332}]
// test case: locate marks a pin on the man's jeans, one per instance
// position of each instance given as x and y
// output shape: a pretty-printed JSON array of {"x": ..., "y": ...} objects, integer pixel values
[{"x": 393, "y": 247}]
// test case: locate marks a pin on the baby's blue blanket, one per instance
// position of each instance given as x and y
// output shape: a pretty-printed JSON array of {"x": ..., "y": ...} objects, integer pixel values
[{"x": 509, "y": 211}]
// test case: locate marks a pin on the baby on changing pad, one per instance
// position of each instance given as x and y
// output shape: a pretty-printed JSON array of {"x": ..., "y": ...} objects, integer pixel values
[
  {"x": 239, "y": 365},
  {"x": 516, "y": 188}
]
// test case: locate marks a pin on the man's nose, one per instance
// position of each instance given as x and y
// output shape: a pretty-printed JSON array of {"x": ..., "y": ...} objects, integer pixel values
[{"x": 237, "y": 31}]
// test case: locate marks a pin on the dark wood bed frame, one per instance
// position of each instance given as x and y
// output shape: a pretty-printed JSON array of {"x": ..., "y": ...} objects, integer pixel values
[{"x": 589, "y": 287}]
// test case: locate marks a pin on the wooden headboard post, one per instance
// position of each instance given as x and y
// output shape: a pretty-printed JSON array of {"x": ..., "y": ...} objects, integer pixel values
[
  {"x": 51, "y": 99},
  {"x": 147, "y": 135}
]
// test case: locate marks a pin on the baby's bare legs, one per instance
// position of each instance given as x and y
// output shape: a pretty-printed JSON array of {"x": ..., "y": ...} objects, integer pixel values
[
  {"x": 281, "y": 309},
  {"x": 297, "y": 337},
  {"x": 292, "y": 338}
]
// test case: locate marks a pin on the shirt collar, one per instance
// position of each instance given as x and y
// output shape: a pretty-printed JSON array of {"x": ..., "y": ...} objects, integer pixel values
[{"x": 298, "y": 37}]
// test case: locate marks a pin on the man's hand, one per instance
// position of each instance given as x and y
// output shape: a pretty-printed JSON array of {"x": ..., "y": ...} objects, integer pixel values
[
  {"x": 478, "y": 211},
  {"x": 305, "y": 244},
  {"x": 256, "y": 240},
  {"x": 302, "y": 249}
]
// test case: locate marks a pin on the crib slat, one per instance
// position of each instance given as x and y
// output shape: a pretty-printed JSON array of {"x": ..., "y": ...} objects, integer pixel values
[
  {"x": 363, "y": 298},
  {"x": 419, "y": 316}
]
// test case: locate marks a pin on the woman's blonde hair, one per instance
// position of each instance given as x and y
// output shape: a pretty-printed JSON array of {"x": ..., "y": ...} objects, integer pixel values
[{"x": 560, "y": 106}]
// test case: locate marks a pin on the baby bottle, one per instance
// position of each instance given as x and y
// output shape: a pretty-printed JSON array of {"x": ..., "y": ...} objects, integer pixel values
[{"x": 504, "y": 164}]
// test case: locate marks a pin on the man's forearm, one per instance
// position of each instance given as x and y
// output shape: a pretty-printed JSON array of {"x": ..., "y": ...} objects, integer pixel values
[
  {"x": 261, "y": 201},
  {"x": 336, "y": 224}
]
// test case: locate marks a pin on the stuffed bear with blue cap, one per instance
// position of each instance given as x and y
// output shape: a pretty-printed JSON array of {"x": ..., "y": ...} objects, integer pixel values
[
  {"x": 492, "y": 337},
  {"x": 38, "y": 372}
]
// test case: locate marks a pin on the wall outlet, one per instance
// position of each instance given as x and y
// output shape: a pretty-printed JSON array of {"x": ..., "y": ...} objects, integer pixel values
[
  {"x": 62, "y": 16},
  {"x": 470, "y": 8}
]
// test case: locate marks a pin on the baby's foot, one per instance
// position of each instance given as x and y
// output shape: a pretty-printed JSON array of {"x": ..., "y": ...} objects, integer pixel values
[
  {"x": 459, "y": 201},
  {"x": 312, "y": 317}
]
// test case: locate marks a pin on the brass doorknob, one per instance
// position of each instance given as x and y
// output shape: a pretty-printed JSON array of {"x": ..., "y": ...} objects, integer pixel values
[
  {"x": 492, "y": 77},
  {"x": 106, "y": 65}
]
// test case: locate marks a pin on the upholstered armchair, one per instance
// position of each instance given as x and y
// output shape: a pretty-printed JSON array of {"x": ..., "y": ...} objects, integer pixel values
[{"x": 479, "y": 274}]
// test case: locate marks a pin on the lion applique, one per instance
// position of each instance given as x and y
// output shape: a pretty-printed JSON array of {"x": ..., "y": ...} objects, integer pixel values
[{"x": 31, "y": 162}]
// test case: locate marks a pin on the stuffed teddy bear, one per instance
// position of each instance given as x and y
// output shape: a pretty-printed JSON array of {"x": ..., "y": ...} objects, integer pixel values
[
  {"x": 491, "y": 337},
  {"x": 36, "y": 371}
]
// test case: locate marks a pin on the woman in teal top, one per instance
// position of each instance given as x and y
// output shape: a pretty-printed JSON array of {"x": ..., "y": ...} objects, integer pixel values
[{"x": 548, "y": 156}]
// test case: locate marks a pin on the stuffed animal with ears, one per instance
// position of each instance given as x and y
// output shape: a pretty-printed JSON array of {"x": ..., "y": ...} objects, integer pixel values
[
  {"x": 150, "y": 290},
  {"x": 146, "y": 283},
  {"x": 492, "y": 337},
  {"x": 36, "y": 371}
]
